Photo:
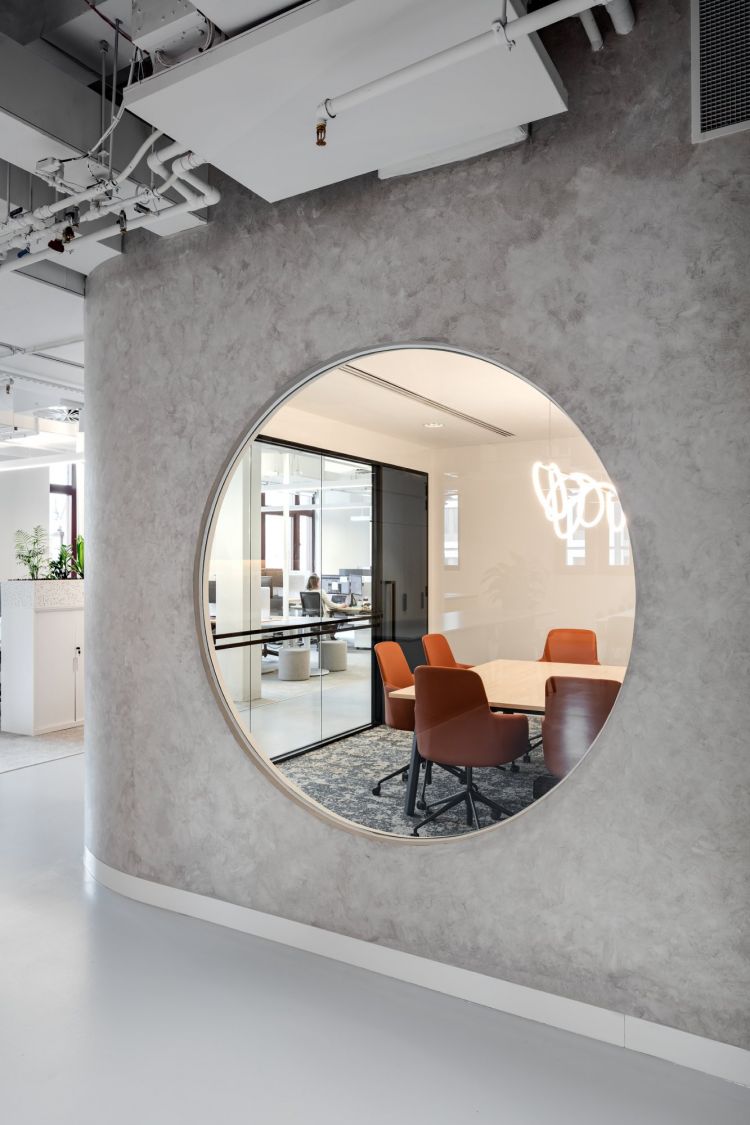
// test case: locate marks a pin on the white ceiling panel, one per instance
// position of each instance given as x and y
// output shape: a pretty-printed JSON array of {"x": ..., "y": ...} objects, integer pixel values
[
  {"x": 248, "y": 106},
  {"x": 474, "y": 387},
  {"x": 32, "y": 313},
  {"x": 232, "y": 16}
]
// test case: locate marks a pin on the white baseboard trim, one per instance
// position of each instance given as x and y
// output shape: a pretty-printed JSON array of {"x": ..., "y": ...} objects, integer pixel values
[{"x": 718, "y": 1059}]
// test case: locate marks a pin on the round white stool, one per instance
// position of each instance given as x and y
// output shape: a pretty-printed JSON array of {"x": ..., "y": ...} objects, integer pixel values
[
  {"x": 333, "y": 655},
  {"x": 294, "y": 663}
]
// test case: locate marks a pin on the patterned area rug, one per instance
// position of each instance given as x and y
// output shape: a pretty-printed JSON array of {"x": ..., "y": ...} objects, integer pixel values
[
  {"x": 341, "y": 777},
  {"x": 19, "y": 750}
]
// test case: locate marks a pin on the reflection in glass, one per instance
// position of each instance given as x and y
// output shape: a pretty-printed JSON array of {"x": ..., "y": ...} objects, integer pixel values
[{"x": 290, "y": 569}]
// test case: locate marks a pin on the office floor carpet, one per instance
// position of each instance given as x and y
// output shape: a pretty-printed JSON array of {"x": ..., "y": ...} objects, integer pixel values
[
  {"x": 20, "y": 750},
  {"x": 341, "y": 776}
]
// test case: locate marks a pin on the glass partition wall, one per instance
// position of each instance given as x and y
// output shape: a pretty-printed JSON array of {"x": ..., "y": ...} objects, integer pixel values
[{"x": 290, "y": 588}]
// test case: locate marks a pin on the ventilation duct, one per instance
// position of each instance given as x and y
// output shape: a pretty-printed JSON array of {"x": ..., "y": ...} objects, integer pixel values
[{"x": 720, "y": 67}]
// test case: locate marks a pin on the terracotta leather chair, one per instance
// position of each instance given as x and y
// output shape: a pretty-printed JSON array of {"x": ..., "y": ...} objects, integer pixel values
[
  {"x": 399, "y": 713},
  {"x": 455, "y": 728},
  {"x": 438, "y": 652},
  {"x": 576, "y": 709},
  {"x": 570, "y": 646}
]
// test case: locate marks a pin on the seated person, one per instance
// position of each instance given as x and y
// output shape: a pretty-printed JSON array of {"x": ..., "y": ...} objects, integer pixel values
[{"x": 327, "y": 604}]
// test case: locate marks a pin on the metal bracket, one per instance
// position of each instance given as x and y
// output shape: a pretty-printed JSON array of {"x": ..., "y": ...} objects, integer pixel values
[{"x": 500, "y": 27}]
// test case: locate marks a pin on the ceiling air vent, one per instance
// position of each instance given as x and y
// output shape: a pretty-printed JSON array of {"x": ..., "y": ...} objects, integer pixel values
[{"x": 721, "y": 67}]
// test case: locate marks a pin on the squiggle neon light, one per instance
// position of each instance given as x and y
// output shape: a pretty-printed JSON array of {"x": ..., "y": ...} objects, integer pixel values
[{"x": 566, "y": 496}]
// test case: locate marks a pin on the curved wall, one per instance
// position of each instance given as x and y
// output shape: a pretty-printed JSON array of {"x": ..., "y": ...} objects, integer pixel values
[{"x": 605, "y": 262}]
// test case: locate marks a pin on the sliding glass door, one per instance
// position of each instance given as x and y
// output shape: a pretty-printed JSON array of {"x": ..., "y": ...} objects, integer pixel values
[
  {"x": 292, "y": 579},
  {"x": 402, "y": 558}
]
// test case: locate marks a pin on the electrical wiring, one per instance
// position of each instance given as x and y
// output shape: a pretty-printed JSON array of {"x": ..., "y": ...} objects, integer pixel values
[{"x": 106, "y": 19}]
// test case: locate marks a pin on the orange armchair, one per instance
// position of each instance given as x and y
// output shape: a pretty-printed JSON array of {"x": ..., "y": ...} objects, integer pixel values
[
  {"x": 438, "y": 652},
  {"x": 570, "y": 646},
  {"x": 399, "y": 713},
  {"x": 455, "y": 727},
  {"x": 575, "y": 711}
]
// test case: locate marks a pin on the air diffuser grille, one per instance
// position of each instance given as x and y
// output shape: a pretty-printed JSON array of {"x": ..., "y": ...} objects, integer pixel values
[{"x": 721, "y": 67}]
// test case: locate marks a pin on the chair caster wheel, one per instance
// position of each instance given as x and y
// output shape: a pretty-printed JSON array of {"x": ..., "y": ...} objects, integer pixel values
[
  {"x": 514, "y": 767},
  {"x": 415, "y": 833},
  {"x": 527, "y": 757},
  {"x": 376, "y": 791},
  {"x": 421, "y": 805},
  {"x": 404, "y": 778}
]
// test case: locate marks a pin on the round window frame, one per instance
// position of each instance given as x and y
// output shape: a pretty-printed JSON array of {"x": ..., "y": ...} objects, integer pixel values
[{"x": 203, "y": 626}]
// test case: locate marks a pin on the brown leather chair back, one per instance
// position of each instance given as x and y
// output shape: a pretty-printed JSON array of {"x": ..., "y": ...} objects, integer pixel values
[
  {"x": 438, "y": 652},
  {"x": 570, "y": 646},
  {"x": 576, "y": 709},
  {"x": 395, "y": 673},
  {"x": 454, "y": 724}
]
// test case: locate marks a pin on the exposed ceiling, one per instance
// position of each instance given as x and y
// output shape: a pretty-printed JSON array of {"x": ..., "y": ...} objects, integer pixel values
[
  {"x": 462, "y": 383},
  {"x": 248, "y": 105}
]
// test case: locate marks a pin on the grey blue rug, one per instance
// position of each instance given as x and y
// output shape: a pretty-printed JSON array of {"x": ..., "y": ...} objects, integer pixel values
[{"x": 341, "y": 777}]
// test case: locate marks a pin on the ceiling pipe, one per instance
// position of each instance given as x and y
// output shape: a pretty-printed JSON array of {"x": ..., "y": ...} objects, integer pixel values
[
  {"x": 622, "y": 15},
  {"x": 207, "y": 196},
  {"x": 38, "y": 220},
  {"x": 591, "y": 27},
  {"x": 503, "y": 33},
  {"x": 196, "y": 193}
]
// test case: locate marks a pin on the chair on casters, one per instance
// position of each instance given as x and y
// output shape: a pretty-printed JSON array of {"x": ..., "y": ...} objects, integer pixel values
[
  {"x": 399, "y": 713},
  {"x": 438, "y": 652},
  {"x": 455, "y": 727},
  {"x": 567, "y": 646}
]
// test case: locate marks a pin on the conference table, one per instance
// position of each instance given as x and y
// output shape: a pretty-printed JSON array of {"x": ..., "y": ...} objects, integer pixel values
[{"x": 511, "y": 685}]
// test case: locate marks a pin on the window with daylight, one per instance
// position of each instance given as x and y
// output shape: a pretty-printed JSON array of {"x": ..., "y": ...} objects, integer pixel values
[
  {"x": 450, "y": 527},
  {"x": 62, "y": 507}
]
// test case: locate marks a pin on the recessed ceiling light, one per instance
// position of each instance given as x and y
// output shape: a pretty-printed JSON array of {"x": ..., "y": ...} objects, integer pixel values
[{"x": 433, "y": 425}]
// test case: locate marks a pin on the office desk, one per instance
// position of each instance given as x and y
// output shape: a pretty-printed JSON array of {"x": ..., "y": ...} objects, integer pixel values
[{"x": 512, "y": 685}]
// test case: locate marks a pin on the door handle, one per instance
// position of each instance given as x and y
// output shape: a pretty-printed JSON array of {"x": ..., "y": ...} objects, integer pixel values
[{"x": 389, "y": 582}]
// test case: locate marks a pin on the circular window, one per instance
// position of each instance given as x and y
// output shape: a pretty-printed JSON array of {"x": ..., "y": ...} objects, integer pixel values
[{"x": 417, "y": 592}]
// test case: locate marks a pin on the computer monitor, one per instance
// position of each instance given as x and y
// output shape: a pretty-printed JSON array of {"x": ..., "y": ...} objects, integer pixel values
[{"x": 355, "y": 584}]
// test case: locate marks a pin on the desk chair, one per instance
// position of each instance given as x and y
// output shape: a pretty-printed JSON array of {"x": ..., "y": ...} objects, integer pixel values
[
  {"x": 438, "y": 652},
  {"x": 312, "y": 606},
  {"x": 399, "y": 713},
  {"x": 455, "y": 727},
  {"x": 567, "y": 646},
  {"x": 570, "y": 646},
  {"x": 575, "y": 711}
]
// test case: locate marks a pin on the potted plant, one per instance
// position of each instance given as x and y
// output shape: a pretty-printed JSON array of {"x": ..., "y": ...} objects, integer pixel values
[
  {"x": 76, "y": 559},
  {"x": 61, "y": 566},
  {"x": 31, "y": 551}
]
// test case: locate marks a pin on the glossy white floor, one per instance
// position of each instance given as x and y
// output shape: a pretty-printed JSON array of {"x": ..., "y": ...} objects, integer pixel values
[{"x": 111, "y": 1011}]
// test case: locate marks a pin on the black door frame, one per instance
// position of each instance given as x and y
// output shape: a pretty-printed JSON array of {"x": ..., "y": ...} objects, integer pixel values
[{"x": 376, "y": 692}]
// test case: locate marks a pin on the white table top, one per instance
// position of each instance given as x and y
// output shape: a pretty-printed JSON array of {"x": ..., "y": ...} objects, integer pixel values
[{"x": 518, "y": 685}]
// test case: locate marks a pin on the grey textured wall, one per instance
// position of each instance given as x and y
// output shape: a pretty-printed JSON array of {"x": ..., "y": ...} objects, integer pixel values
[{"x": 607, "y": 262}]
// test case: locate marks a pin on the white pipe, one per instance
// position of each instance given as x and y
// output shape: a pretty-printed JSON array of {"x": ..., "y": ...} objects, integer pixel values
[
  {"x": 501, "y": 33},
  {"x": 208, "y": 197},
  {"x": 545, "y": 17},
  {"x": 37, "y": 219},
  {"x": 622, "y": 15},
  {"x": 156, "y": 160},
  {"x": 136, "y": 159},
  {"x": 591, "y": 28}
]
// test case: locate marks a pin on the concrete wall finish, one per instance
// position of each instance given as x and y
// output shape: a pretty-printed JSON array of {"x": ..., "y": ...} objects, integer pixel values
[{"x": 607, "y": 262}]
